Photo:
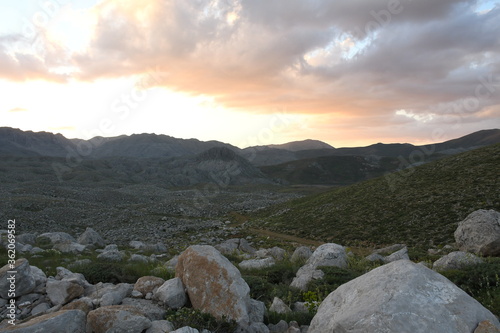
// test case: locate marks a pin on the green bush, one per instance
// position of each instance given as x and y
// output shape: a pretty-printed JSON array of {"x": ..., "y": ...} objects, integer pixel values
[
  {"x": 199, "y": 320},
  {"x": 481, "y": 282}
]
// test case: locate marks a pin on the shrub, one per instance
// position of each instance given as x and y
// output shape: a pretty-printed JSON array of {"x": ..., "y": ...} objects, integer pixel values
[{"x": 199, "y": 320}]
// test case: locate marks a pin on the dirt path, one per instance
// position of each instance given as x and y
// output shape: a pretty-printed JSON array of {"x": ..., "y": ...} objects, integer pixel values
[{"x": 286, "y": 237}]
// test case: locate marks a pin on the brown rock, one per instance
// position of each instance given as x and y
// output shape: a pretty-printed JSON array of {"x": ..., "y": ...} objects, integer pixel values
[
  {"x": 213, "y": 284},
  {"x": 147, "y": 284},
  {"x": 486, "y": 327}
]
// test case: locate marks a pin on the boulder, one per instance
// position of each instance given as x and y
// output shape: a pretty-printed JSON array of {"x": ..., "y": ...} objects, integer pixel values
[
  {"x": 139, "y": 258},
  {"x": 398, "y": 255},
  {"x": 456, "y": 260},
  {"x": 329, "y": 254},
  {"x": 69, "y": 247},
  {"x": 160, "y": 326},
  {"x": 117, "y": 318},
  {"x": 400, "y": 297},
  {"x": 85, "y": 304},
  {"x": 66, "y": 321},
  {"x": 63, "y": 291},
  {"x": 147, "y": 284},
  {"x": 279, "y": 306},
  {"x": 111, "y": 253},
  {"x": 115, "y": 294},
  {"x": 50, "y": 239},
  {"x": 257, "y": 263},
  {"x": 91, "y": 239},
  {"x": 150, "y": 310},
  {"x": 23, "y": 279},
  {"x": 275, "y": 252},
  {"x": 479, "y": 233},
  {"x": 234, "y": 245},
  {"x": 213, "y": 284},
  {"x": 186, "y": 329},
  {"x": 301, "y": 254},
  {"x": 26, "y": 238},
  {"x": 389, "y": 249},
  {"x": 257, "y": 311},
  {"x": 171, "y": 293}
]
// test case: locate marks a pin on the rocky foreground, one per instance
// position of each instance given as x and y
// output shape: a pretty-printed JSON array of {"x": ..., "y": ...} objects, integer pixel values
[{"x": 398, "y": 296}]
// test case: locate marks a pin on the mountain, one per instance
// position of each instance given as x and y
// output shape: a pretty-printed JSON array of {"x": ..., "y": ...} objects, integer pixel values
[
  {"x": 153, "y": 145},
  {"x": 14, "y": 142},
  {"x": 330, "y": 170},
  {"x": 411, "y": 206},
  {"x": 267, "y": 156},
  {"x": 302, "y": 145}
]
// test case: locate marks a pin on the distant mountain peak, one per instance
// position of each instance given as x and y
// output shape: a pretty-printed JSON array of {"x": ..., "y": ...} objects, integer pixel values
[{"x": 307, "y": 144}]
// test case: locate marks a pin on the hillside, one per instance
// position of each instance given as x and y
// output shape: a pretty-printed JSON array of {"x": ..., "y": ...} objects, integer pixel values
[
  {"x": 331, "y": 170},
  {"x": 415, "y": 206}
]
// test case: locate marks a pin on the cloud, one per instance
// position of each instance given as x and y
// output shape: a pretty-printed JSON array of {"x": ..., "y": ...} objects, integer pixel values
[
  {"x": 349, "y": 62},
  {"x": 23, "y": 59},
  {"x": 18, "y": 109}
]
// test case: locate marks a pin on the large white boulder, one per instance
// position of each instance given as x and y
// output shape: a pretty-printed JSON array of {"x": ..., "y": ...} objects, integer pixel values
[
  {"x": 400, "y": 297},
  {"x": 213, "y": 284},
  {"x": 479, "y": 233}
]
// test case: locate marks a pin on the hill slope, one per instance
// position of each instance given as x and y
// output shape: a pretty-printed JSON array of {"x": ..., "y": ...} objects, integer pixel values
[{"x": 414, "y": 206}]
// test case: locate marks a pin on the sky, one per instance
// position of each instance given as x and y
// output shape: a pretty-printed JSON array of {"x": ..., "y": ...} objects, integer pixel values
[{"x": 252, "y": 72}]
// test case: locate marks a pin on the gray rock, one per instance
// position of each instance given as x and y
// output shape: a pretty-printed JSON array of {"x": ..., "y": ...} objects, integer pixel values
[
  {"x": 375, "y": 257},
  {"x": 257, "y": 263},
  {"x": 66, "y": 321},
  {"x": 399, "y": 255},
  {"x": 38, "y": 275},
  {"x": 172, "y": 263},
  {"x": 257, "y": 311},
  {"x": 479, "y": 233},
  {"x": 389, "y": 250},
  {"x": 186, "y": 329},
  {"x": 61, "y": 292},
  {"x": 69, "y": 247},
  {"x": 117, "y": 318},
  {"x": 280, "y": 327},
  {"x": 111, "y": 255},
  {"x": 301, "y": 254},
  {"x": 330, "y": 254},
  {"x": 116, "y": 294},
  {"x": 213, "y": 284},
  {"x": 257, "y": 328},
  {"x": 279, "y": 306},
  {"x": 456, "y": 260},
  {"x": 52, "y": 238},
  {"x": 151, "y": 311},
  {"x": 91, "y": 239},
  {"x": 400, "y": 297},
  {"x": 139, "y": 258},
  {"x": 171, "y": 293},
  {"x": 40, "y": 308},
  {"x": 27, "y": 238},
  {"x": 160, "y": 326},
  {"x": 300, "y": 307},
  {"x": 24, "y": 281}
]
